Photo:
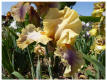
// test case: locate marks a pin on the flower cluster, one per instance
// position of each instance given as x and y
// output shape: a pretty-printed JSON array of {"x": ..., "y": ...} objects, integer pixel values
[{"x": 98, "y": 28}]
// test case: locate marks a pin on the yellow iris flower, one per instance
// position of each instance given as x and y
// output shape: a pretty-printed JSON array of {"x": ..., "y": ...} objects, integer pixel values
[
  {"x": 97, "y": 13},
  {"x": 93, "y": 32},
  {"x": 98, "y": 45},
  {"x": 62, "y": 26},
  {"x": 99, "y": 8},
  {"x": 95, "y": 28}
]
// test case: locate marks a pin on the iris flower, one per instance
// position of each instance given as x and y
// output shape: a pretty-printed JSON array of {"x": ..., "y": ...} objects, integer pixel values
[
  {"x": 29, "y": 35},
  {"x": 63, "y": 26},
  {"x": 93, "y": 32},
  {"x": 98, "y": 45},
  {"x": 95, "y": 28},
  {"x": 99, "y": 8},
  {"x": 60, "y": 26}
]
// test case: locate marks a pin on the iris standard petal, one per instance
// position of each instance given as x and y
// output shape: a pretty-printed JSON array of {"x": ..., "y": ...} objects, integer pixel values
[
  {"x": 61, "y": 20},
  {"x": 67, "y": 37},
  {"x": 19, "y": 11}
]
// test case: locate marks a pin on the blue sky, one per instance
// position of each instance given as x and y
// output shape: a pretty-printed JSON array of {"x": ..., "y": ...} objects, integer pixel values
[{"x": 83, "y": 8}]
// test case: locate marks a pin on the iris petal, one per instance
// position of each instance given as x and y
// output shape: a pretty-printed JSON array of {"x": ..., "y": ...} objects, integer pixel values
[
  {"x": 19, "y": 11},
  {"x": 74, "y": 59},
  {"x": 29, "y": 35},
  {"x": 71, "y": 58},
  {"x": 55, "y": 24}
]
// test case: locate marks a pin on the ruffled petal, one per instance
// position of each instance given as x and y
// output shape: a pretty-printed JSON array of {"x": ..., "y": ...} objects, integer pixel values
[
  {"x": 55, "y": 24},
  {"x": 51, "y": 22},
  {"x": 98, "y": 45},
  {"x": 30, "y": 34},
  {"x": 67, "y": 37},
  {"x": 99, "y": 8},
  {"x": 71, "y": 21}
]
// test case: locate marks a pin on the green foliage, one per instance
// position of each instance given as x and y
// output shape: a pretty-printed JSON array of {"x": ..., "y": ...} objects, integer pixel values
[
  {"x": 49, "y": 70},
  {"x": 83, "y": 44},
  {"x": 32, "y": 66},
  {"x": 69, "y": 4},
  {"x": 89, "y": 19},
  {"x": 98, "y": 66},
  {"x": 26, "y": 19},
  {"x": 18, "y": 75},
  {"x": 7, "y": 49},
  {"x": 13, "y": 58}
]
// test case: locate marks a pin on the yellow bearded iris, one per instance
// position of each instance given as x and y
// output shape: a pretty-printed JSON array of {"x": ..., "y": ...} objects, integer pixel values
[
  {"x": 97, "y": 13},
  {"x": 98, "y": 45},
  {"x": 60, "y": 25},
  {"x": 93, "y": 32},
  {"x": 95, "y": 28},
  {"x": 71, "y": 58},
  {"x": 99, "y": 8}
]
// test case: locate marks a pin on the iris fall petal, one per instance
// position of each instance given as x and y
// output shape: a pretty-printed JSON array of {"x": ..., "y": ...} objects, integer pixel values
[{"x": 29, "y": 35}]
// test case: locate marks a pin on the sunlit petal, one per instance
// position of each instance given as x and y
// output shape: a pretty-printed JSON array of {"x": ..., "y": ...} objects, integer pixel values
[
  {"x": 29, "y": 35},
  {"x": 67, "y": 37},
  {"x": 55, "y": 24}
]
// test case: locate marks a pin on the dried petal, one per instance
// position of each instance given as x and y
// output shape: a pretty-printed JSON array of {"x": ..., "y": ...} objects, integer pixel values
[{"x": 34, "y": 18}]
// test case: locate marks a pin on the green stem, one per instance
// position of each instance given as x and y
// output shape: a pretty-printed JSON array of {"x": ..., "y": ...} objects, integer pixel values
[
  {"x": 13, "y": 60},
  {"x": 49, "y": 69},
  {"x": 32, "y": 67},
  {"x": 38, "y": 69}
]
